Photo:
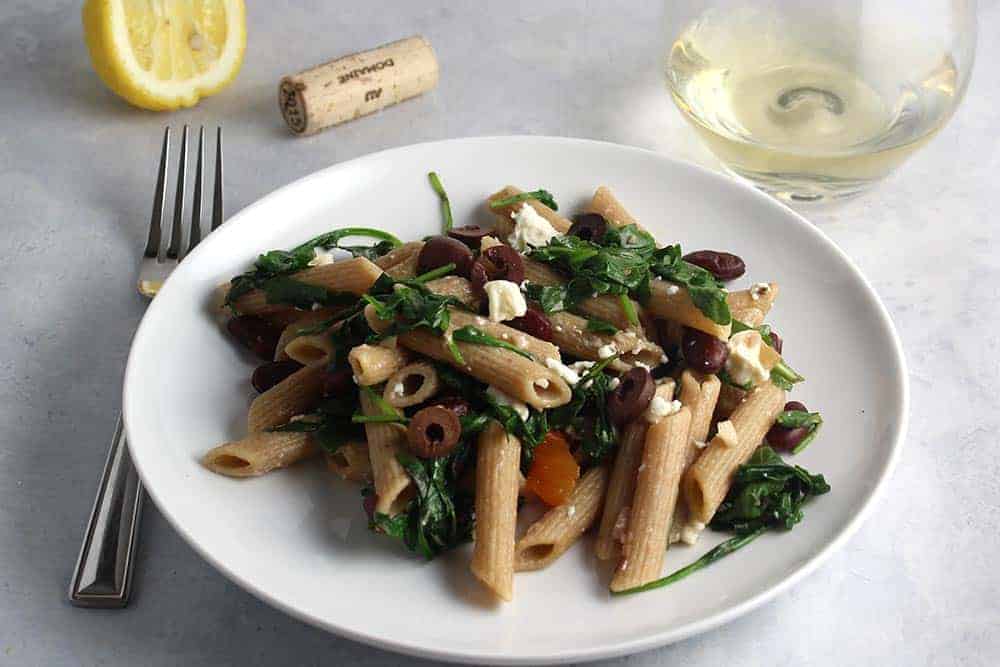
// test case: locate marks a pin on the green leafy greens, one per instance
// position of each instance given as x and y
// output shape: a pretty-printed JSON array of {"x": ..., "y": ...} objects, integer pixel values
[
  {"x": 330, "y": 423},
  {"x": 766, "y": 494},
  {"x": 541, "y": 195},
  {"x": 475, "y": 335},
  {"x": 445, "y": 203},
  {"x": 279, "y": 264},
  {"x": 706, "y": 292},
  {"x": 598, "y": 436},
  {"x": 595, "y": 325},
  {"x": 801, "y": 419},
  {"x": 387, "y": 413}
]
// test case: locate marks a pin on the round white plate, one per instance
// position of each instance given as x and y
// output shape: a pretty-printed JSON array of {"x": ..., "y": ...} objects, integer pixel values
[{"x": 298, "y": 539}]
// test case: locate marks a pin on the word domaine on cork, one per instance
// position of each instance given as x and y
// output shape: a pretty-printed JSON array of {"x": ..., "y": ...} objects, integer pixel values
[{"x": 357, "y": 85}]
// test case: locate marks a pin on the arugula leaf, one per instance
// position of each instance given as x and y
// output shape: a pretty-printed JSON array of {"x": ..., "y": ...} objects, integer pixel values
[
  {"x": 766, "y": 494},
  {"x": 330, "y": 423},
  {"x": 445, "y": 204},
  {"x": 439, "y": 517},
  {"x": 475, "y": 335},
  {"x": 801, "y": 419},
  {"x": 291, "y": 292},
  {"x": 387, "y": 413},
  {"x": 552, "y": 298},
  {"x": 543, "y": 196},
  {"x": 278, "y": 263},
  {"x": 706, "y": 292},
  {"x": 596, "y": 325},
  {"x": 587, "y": 413}
]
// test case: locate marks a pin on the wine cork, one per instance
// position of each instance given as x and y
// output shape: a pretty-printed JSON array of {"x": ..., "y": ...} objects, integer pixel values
[{"x": 357, "y": 85}]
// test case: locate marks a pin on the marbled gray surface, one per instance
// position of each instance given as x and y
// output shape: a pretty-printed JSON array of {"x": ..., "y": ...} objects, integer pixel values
[{"x": 917, "y": 585}]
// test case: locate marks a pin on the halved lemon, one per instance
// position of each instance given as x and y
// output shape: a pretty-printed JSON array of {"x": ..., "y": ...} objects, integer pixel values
[{"x": 165, "y": 54}]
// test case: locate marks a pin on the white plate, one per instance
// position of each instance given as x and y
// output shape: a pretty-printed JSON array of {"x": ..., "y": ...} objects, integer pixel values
[{"x": 299, "y": 541}]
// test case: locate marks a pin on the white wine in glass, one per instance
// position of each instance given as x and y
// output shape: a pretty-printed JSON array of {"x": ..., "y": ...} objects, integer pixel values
[{"x": 817, "y": 101}]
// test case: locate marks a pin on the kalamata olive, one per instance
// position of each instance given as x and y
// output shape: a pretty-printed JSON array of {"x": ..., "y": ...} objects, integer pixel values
[
  {"x": 499, "y": 262},
  {"x": 703, "y": 352},
  {"x": 722, "y": 265},
  {"x": 456, "y": 404},
  {"x": 434, "y": 432},
  {"x": 589, "y": 227},
  {"x": 256, "y": 334},
  {"x": 368, "y": 504},
  {"x": 632, "y": 395},
  {"x": 336, "y": 381},
  {"x": 441, "y": 250},
  {"x": 781, "y": 437},
  {"x": 470, "y": 235},
  {"x": 534, "y": 323},
  {"x": 267, "y": 375},
  {"x": 776, "y": 341}
]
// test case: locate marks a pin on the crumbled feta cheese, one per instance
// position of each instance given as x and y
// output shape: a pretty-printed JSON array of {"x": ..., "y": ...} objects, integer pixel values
[
  {"x": 321, "y": 256},
  {"x": 725, "y": 433},
  {"x": 356, "y": 379},
  {"x": 758, "y": 290},
  {"x": 672, "y": 290},
  {"x": 743, "y": 363},
  {"x": 659, "y": 408},
  {"x": 606, "y": 351},
  {"x": 317, "y": 306},
  {"x": 530, "y": 229},
  {"x": 664, "y": 358},
  {"x": 582, "y": 366},
  {"x": 503, "y": 399},
  {"x": 691, "y": 531},
  {"x": 559, "y": 328},
  {"x": 506, "y": 300},
  {"x": 565, "y": 372},
  {"x": 571, "y": 510},
  {"x": 613, "y": 383},
  {"x": 700, "y": 444},
  {"x": 398, "y": 389}
]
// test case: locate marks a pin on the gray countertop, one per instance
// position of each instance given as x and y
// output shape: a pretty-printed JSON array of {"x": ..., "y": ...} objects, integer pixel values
[{"x": 917, "y": 585}]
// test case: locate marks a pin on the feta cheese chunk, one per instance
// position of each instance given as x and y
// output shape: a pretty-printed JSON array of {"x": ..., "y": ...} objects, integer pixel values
[
  {"x": 691, "y": 531},
  {"x": 503, "y": 399},
  {"x": 606, "y": 351},
  {"x": 660, "y": 407},
  {"x": 321, "y": 256},
  {"x": 565, "y": 372},
  {"x": 758, "y": 290},
  {"x": 530, "y": 229},
  {"x": 506, "y": 300},
  {"x": 744, "y": 364}
]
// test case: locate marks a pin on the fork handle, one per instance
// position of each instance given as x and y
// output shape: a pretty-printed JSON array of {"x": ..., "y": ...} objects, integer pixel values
[{"x": 103, "y": 574}]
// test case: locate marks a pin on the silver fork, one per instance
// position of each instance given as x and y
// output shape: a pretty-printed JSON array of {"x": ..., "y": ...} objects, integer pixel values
[{"x": 103, "y": 573}]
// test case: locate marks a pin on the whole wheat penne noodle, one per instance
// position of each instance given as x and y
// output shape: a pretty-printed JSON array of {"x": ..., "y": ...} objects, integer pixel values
[
  {"x": 730, "y": 397},
  {"x": 536, "y": 347},
  {"x": 570, "y": 335},
  {"x": 399, "y": 254},
  {"x": 699, "y": 393},
  {"x": 550, "y": 536},
  {"x": 497, "y": 466},
  {"x": 504, "y": 222},
  {"x": 404, "y": 270},
  {"x": 516, "y": 376},
  {"x": 393, "y": 487},
  {"x": 608, "y": 207},
  {"x": 374, "y": 364},
  {"x": 295, "y": 395},
  {"x": 350, "y": 462},
  {"x": 656, "y": 489},
  {"x": 355, "y": 276},
  {"x": 311, "y": 350},
  {"x": 307, "y": 321},
  {"x": 259, "y": 453},
  {"x": 411, "y": 385},
  {"x": 541, "y": 274},
  {"x": 456, "y": 287},
  {"x": 621, "y": 482},
  {"x": 707, "y": 481},
  {"x": 672, "y": 302},
  {"x": 751, "y": 306}
]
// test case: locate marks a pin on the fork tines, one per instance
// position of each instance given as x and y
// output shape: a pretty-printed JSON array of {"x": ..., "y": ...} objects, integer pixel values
[{"x": 174, "y": 250}]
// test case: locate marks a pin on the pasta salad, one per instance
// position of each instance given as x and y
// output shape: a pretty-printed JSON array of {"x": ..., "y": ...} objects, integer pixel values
[{"x": 570, "y": 363}]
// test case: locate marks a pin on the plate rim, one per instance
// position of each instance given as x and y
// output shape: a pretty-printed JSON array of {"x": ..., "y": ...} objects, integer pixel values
[{"x": 625, "y": 647}]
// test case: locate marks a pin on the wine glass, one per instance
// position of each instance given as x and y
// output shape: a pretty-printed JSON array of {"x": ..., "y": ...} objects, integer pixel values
[{"x": 817, "y": 101}]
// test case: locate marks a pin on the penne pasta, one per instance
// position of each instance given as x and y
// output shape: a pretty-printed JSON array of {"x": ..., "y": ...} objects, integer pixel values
[
  {"x": 311, "y": 350},
  {"x": 411, "y": 385},
  {"x": 569, "y": 334},
  {"x": 608, "y": 207},
  {"x": 399, "y": 254},
  {"x": 350, "y": 462},
  {"x": 259, "y": 453},
  {"x": 393, "y": 487},
  {"x": 751, "y": 306},
  {"x": 520, "y": 378},
  {"x": 307, "y": 321},
  {"x": 404, "y": 270},
  {"x": 457, "y": 287},
  {"x": 557, "y": 530},
  {"x": 656, "y": 489},
  {"x": 295, "y": 395},
  {"x": 497, "y": 470},
  {"x": 672, "y": 302},
  {"x": 374, "y": 364},
  {"x": 355, "y": 276},
  {"x": 707, "y": 480},
  {"x": 621, "y": 482}
]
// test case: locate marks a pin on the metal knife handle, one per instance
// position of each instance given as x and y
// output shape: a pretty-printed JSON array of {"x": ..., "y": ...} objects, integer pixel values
[{"x": 103, "y": 574}]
